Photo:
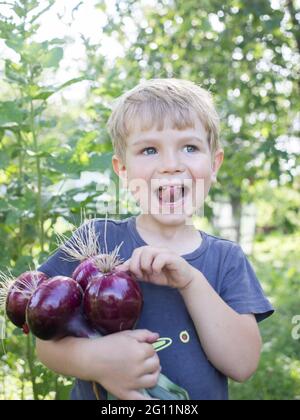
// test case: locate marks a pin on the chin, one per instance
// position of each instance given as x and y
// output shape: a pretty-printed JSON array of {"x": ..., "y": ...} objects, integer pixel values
[{"x": 170, "y": 219}]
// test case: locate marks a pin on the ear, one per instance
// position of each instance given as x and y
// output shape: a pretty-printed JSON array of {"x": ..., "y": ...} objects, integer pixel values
[
  {"x": 217, "y": 162},
  {"x": 119, "y": 169}
]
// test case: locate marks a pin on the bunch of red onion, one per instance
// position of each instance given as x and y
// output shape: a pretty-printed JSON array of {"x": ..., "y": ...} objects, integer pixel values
[
  {"x": 97, "y": 299},
  {"x": 52, "y": 308}
]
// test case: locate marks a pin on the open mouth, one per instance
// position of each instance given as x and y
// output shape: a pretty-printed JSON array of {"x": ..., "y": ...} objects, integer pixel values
[{"x": 171, "y": 195}]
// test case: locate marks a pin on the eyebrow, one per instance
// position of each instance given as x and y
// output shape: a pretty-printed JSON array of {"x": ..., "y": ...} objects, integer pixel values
[{"x": 188, "y": 138}]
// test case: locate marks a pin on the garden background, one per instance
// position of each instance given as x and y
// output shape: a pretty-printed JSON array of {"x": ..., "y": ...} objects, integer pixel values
[{"x": 62, "y": 63}]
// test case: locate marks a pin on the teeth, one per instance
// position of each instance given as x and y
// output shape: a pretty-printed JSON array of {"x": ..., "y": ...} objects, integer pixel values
[
  {"x": 174, "y": 188},
  {"x": 165, "y": 187},
  {"x": 176, "y": 192}
]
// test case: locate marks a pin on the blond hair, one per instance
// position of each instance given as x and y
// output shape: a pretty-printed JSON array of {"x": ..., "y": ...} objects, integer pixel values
[{"x": 152, "y": 101}]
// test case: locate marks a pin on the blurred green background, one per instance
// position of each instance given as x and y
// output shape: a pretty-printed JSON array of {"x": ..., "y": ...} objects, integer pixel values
[{"x": 62, "y": 63}]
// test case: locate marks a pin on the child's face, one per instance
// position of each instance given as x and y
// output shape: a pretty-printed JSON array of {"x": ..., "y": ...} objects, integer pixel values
[{"x": 173, "y": 157}]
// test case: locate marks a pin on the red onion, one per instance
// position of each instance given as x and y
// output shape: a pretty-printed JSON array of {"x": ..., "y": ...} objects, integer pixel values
[
  {"x": 113, "y": 302},
  {"x": 82, "y": 247},
  {"x": 85, "y": 271},
  {"x": 19, "y": 294},
  {"x": 54, "y": 310}
]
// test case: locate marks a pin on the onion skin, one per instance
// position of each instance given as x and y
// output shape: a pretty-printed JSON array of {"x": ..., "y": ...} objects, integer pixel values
[
  {"x": 85, "y": 271},
  {"x": 17, "y": 300},
  {"x": 52, "y": 306},
  {"x": 113, "y": 302},
  {"x": 78, "y": 326}
]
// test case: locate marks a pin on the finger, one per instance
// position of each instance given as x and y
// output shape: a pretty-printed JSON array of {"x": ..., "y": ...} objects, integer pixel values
[
  {"x": 127, "y": 264},
  {"x": 158, "y": 263},
  {"x": 134, "y": 265},
  {"x": 151, "y": 365},
  {"x": 149, "y": 381},
  {"x": 143, "y": 335},
  {"x": 146, "y": 260},
  {"x": 148, "y": 351},
  {"x": 167, "y": 261}
]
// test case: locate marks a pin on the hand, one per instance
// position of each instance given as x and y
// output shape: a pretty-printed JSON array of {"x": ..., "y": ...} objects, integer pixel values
[
  {"x": 125, "y": 362},
  {"x": 159, "y": 266}
]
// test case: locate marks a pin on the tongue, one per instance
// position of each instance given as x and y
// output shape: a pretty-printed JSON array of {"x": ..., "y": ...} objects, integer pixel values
[{"x": 171, "y": 195}]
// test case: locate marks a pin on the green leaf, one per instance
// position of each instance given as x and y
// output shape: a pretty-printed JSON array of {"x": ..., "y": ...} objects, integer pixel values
[
  {"x": 14, "y": 72},
  {"x": 40, "y": 109},
  {"x": 40, "y": 154},
  {"x": 4, "y": 159},
  {"x": 52, "y": 57},
  {"x": 30, "y": 5},
  {"x": 6, "y": 29},
  {"x": 10, "y": 114},
  {"x": 21, "y": 12},
  {"x": 57, "y": 41},
  {"x": 16, "y": 43},
  {"x": 65, "y": 166},
  {"x": 100, "y": 162},
  {"x": 45, "y": 94},
  {"x": 2, "y": 131},
  {"x": 73, "y": 81},
  {"x": 32, "y": 90}
]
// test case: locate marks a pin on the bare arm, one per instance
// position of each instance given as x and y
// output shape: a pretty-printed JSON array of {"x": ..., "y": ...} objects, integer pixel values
[
  {"x": 123, "y": 363},
  {"x": 67, "y": 356},
  {"x": 231, "y": 341}
]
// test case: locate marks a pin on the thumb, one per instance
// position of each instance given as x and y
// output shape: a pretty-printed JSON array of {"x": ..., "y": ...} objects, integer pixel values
[{"x": 143, "y": 336}]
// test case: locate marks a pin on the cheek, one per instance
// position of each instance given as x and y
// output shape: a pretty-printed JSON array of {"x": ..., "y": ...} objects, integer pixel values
[
  {"x": 201, "y": 173},
  {"x": 202, "y": 169},
  {"x": 139, "y": 168},
  {"x": 139, "y": 177}
]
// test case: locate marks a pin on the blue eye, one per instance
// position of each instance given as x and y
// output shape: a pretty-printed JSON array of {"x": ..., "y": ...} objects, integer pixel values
[
  {"x": 195, "y": 148},
  {"x": 148, "y": 148}
]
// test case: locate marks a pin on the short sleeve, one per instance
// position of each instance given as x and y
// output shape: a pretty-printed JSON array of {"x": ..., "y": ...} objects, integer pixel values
[
  {"x": 57, "y": 265},
  {"x": 241, "y": 289}
]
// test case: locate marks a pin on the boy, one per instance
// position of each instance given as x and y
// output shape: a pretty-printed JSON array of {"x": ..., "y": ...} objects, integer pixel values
[{"x": 200, "y": 292}]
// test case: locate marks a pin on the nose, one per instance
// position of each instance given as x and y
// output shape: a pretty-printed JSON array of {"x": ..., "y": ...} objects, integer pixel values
[{"x": 170, "y": 162}]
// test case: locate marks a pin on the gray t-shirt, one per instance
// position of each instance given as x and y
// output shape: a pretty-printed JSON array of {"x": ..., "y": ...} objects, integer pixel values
[{"x": 183, "y": 360}]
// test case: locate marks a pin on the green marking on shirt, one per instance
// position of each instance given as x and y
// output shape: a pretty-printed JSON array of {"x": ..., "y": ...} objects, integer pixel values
[
  {"x": 162, "y": 343},
  {"x": 184, "y": 337}
]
